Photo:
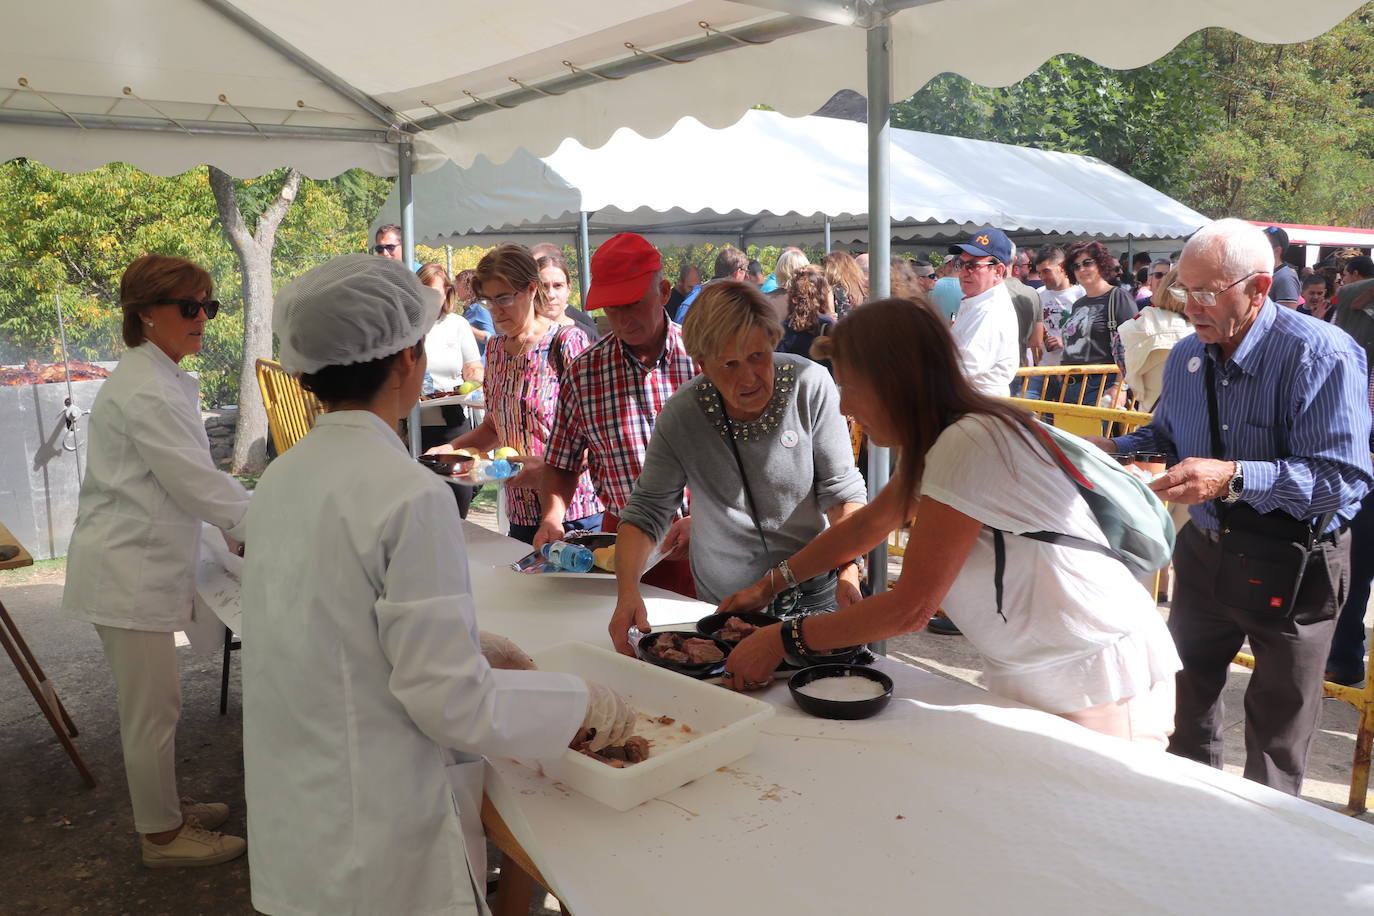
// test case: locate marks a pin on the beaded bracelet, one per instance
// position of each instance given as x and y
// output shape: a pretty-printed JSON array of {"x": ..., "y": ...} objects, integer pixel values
[
  {"x": 794, "y": 653},
  {"x": 801, "y": 636}
]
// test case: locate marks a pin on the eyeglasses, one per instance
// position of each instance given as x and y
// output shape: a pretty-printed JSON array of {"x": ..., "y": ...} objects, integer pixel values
[
  {"x": 384, "y": 249},
  {"x": 503, "y": 301},
  {"x": 190, "y": 308},
  {"x": 1207, "y": 297},
  {"x": 974, "y": 265},
  {"x": 1086, "y": 262},
  {"x": 929, "y": 276},
  {"x": 1160, "y": 274}
]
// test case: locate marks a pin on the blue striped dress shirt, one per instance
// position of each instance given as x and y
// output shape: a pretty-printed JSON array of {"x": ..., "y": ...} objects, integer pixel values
[{"x": 1293, "y": 408}]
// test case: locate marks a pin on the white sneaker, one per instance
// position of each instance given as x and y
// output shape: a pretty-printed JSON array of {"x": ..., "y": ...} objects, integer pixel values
[
  {"x": 193, "y": 846},
  {"x": 209, "y": 814}
]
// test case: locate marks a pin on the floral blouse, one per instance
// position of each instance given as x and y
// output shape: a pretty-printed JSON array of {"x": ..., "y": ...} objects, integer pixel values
[{"x": 522, "y": 396}]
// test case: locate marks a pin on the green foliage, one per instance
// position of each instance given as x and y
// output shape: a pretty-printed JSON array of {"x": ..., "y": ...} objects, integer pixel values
[
  {"x": 1142, "y": 121},
  {"x": 1227, "y": 125},
  {"x": 77, "y": 233}
]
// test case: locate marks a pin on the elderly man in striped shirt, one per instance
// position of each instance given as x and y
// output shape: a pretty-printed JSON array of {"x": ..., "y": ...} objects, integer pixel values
[
  {"x": 1264, "y": 419},
  {"x": 612, "y": 394}
]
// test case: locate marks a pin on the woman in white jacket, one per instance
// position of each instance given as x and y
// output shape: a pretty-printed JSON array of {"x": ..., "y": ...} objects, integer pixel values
[
  {"x": 149, "y": 484},
  {"x": 367, "y": 701},
  {"x": 1147, "y": 339}
]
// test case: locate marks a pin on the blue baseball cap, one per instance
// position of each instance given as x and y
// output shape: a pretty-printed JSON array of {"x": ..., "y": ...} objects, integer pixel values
[{"x": 991, "y": 242}]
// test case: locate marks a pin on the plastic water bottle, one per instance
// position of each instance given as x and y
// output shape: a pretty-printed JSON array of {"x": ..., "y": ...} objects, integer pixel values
[
  {"x": 427, "y": 386},
  {"x": 572, "y": 557},
  {"x": 485, "y": 470}
]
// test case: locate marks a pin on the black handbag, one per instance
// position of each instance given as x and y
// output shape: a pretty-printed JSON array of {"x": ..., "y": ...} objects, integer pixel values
[{"x": 1266, "y": 558}]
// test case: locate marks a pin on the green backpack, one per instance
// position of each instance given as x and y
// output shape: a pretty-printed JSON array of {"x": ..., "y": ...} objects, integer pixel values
[{"x": 1138, "y": 528}]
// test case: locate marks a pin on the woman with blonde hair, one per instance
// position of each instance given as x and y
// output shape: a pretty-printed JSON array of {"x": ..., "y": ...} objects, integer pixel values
[
  {"x": 789, "y": 262},
  {"x": 1147, "y": 339},
  {"x": 1061, "y": 627},
  {"x": 521, "y": 387},
  {"x": 847, "y": 280},
  {"x": 759, "y": 440}
]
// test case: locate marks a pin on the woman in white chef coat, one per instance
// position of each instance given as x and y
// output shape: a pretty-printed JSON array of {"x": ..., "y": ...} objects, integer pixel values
[
  {"x": 366, "y": 698},
  {"x": 131, "y": 565}
]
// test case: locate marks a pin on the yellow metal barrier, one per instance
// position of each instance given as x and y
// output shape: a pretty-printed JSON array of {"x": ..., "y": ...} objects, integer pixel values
[
  {"x": 291, "y": 410},
  {"x": 1108, "y": 374}
]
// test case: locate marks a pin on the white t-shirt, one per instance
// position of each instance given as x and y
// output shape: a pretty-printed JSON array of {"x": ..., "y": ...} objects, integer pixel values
[
  {"x": 987, "y": 334},
  {"x": 1079, "y": 630},
  {"x": 449, "y": 345},
  {"x": 1056, "y": 304}
]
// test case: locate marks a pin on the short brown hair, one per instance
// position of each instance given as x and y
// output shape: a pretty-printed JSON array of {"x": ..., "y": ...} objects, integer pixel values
[
  {"x": 727, "y": 311},
  {"x": 153, "y": 278},
  {"x": 511, "y": 263},
  {"x": 728, "y": 261}
]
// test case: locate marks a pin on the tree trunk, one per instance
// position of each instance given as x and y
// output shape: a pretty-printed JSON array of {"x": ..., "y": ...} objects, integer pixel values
[{"x": 254, "y": 251}]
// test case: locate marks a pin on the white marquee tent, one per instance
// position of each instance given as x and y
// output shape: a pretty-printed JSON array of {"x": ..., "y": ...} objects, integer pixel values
[
  {"x": 770, "y": 179},
  {"x": 326, "y": 85}
]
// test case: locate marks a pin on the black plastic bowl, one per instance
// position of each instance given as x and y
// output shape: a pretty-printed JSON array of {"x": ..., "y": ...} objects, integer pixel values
[
  {"x": 702, "y": 670},
  {"x": 709, "y": 625},
  {"x": 446, "y": 465},
  {"x": 840, "y": 709}
]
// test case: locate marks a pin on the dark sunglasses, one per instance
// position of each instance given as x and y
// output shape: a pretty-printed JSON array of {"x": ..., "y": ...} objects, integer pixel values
[
  {"x": 384, "y": 249},
  {"x": 1086, "y": 262},
  {"x": 190, "y": 308},
  {"x": 1160, "y": 274}
]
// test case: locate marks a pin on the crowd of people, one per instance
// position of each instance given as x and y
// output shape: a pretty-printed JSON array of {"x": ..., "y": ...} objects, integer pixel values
[{"x": 705, "y": 421}]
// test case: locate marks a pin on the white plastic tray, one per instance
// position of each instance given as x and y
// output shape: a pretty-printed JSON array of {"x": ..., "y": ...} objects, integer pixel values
[{"x": 726, "y": 725}]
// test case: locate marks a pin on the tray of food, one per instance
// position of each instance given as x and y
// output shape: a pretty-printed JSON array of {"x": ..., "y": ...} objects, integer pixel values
[
  {"x": 468, "y": 394},
  {"x": 688, "y": 728}
]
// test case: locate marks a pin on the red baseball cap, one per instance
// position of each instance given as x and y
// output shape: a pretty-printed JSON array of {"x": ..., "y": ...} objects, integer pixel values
[{"x": 621, "y": 270}]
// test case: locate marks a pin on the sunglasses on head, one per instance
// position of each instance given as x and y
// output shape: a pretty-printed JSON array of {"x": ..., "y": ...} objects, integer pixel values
[
  {"x": 384, "y": 249},
  {"x": 190, "y": 308}
]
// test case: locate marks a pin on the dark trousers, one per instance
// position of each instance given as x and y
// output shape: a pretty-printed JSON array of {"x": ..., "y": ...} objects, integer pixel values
[
  {"x": 1346, "y": 660},
  {"x": 1283, "y": 699},
  {"x": 526, "y": 533}
]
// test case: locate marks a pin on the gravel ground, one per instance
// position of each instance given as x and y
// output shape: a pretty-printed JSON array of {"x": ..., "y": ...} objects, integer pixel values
[{"x": 72, "y": 850}]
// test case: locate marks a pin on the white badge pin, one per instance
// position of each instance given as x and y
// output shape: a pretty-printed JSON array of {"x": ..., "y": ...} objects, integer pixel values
[
  {"x": 1195, "y": 364},
  {"x": 789, "y": 439}
]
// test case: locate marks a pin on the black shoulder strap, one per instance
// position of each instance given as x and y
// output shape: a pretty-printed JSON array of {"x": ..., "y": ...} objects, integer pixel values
[
  {"x": 744, "y": 478},
  {"x": 999, "y": 563}
]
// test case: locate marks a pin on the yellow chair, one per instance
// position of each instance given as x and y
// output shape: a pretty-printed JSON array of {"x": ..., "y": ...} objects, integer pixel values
[{"x": 291, "y": 410}]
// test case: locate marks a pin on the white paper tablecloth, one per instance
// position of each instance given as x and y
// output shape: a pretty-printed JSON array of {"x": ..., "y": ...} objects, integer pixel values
[{"x": 950, "y": 801}]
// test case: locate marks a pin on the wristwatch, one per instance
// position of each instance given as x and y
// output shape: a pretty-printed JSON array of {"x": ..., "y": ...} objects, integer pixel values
[{"x": 1234, "y": 487}]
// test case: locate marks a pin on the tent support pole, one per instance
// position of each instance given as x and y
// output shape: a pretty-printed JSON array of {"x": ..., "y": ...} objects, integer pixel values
[
  {"x": 404, "y": 155},
  {"x": 879, "y": 244},
  {"x": 448, "y": 259},
  {"x": 584, "y": 258},
  {"x": 826, "y": 238},
  {"x": 1126, "y": 271}
]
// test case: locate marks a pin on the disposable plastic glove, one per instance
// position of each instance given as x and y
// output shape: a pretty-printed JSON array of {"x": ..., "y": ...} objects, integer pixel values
[
  {"x": 500, "y": 652},
  {"x": 609, "y": 714}
]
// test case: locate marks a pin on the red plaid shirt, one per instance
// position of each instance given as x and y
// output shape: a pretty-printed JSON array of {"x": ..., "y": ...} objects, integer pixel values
[{"x": 608, "y": 404}]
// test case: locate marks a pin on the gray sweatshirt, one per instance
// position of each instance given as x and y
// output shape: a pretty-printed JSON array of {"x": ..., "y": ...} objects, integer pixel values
[{"x": 798, "y": 458}]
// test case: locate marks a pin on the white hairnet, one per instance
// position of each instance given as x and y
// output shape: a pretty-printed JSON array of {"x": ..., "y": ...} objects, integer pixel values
[{"x": 353, "y": 309}]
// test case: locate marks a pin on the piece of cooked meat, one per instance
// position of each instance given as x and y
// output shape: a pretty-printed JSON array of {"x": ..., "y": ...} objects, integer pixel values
[
  {"x": 701, "y": 651},
  {"x": 735, "y": 629},
  {"x": 636, "y": 749}
]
